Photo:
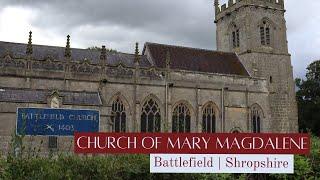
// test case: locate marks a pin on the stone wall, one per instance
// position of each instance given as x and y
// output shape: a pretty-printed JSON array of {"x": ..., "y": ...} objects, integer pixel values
[
  {"x": 247, "y": 16},
  {"x": 278, "y": 70},
  {"x": 231, "y": 95},
  {"x": 271, "y": 62}
]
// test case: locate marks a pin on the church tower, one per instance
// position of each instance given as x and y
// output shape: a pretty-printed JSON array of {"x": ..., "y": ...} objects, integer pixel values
[{"x": 256, "y": 31}]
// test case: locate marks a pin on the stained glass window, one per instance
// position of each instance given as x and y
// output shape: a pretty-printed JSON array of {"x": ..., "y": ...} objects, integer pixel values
[
  {"x": 118, "y": 116},
  {"x": 181, "y": 119},
  {"x": 208, "y": 119},
  {"x": 150, "y": 117}
]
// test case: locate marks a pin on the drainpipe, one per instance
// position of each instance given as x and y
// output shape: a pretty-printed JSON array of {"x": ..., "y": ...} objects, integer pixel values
[
  {"x": 248, "y": 110},
  {"x": 166, "y": 115},
  {"x": 222, "y": 110},
  {"x": 223, "y": 113},
  {"x": 168, "y": 62}
]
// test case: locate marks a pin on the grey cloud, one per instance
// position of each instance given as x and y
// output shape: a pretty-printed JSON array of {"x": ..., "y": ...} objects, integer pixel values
[
  {"x": 129, "y": 13},
  {"x": 120, "y": 23},
  {"x": 177, "y": 20}
]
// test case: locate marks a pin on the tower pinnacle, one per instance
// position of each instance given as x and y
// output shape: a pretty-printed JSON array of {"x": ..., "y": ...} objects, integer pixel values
[
  {"x": 67, "y": 52},
  {"x": 29, "y": 46},
  {"x": 216, "y": 6}
]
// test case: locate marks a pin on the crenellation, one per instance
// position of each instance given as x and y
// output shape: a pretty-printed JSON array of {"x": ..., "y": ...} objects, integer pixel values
[
  {"x": 223, "y": 7},
  {"x": 262, "y": 58},
  {"x": 234, "y": 5},
  {"x": 217, "y": 7},
  {"x": 230, "y": 3}
]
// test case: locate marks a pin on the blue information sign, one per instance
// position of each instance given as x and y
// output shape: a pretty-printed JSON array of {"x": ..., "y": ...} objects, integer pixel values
[{"x": 56, "y": 122}]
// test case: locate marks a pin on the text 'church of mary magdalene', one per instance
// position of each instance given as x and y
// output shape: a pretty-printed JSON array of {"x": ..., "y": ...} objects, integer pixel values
[{"x": 245, "y": 86}]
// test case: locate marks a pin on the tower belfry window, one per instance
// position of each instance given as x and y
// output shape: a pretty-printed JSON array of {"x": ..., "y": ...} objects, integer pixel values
[
  {"x": 268, "y": 36},
  {"x": 238, "y": 37},
  {"x": 256, "y": 115},
  {"x": 265, "y": 34},
  {"x": 263, "y": 41},
  {"x": 235, "y": 37}
]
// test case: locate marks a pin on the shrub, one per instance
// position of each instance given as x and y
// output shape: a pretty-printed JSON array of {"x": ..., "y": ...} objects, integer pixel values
[
  {"x": 305, "y": 167},
  {"x": 118, "y": 167}
]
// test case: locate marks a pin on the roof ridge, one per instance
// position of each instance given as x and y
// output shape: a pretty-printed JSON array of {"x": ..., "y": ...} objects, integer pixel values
[
  {"x": 193, "y": 48},
  {"x": 33, "y": 44},
  {"x": 42, "y": 45}
]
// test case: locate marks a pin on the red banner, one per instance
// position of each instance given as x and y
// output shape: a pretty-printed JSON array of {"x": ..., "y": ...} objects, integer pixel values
[{"x": 170, "y": 143}]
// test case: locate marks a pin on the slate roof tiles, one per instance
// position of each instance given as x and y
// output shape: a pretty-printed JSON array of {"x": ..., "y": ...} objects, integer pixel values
[
  {"x": 182, "y": 58},
  {"x": 192, "y": 59}
]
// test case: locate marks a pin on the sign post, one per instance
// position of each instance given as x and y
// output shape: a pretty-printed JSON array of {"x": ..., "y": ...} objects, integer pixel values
[{"x": 56, "y": 122}]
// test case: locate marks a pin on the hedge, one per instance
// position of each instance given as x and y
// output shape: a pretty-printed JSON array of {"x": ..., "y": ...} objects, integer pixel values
[{"x": 118, "y": 167}]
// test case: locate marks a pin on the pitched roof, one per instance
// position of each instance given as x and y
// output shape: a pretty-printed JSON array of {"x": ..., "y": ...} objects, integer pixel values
[
  {"x": 41, "y": 52},
  {"x": 193, "y": 59},
  {"x": 182, "y": 58}
]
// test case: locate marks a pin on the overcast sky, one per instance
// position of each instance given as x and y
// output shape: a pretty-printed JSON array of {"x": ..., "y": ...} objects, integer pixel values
[{"x": 118, "y": 24}]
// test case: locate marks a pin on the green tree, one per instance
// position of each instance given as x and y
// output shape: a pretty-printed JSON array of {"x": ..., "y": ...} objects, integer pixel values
[
  {"x": 308, "y": 97},
  {"x": 99, "y": 49}
]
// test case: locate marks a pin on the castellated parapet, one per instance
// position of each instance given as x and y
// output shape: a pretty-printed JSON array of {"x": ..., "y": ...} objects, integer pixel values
[
  {"x": 256, "y": 30},
  {"x": 235, "y": 5}
]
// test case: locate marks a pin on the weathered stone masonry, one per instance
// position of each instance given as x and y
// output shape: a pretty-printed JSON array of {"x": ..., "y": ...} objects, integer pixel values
[
  {"x": 269, "y": 60},
  {"x": 184, "y": 89}
]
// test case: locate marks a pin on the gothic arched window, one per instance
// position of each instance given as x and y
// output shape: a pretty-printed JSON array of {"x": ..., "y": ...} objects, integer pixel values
[
  {"x": 209, "y": 119},
  {"x": 118, "y": 116},
  {"x": 150, "y": 117},
  {"x": 235, "y": 130},
  {"x": 235, "y": 35},
  {"x": 256, "y": 116},
  {"x": 265, "y": 33},
  {"x": 181, "y": 118}
]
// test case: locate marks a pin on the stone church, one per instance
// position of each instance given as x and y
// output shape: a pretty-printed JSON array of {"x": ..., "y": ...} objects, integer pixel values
[{"x": 246, "y": 85}]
